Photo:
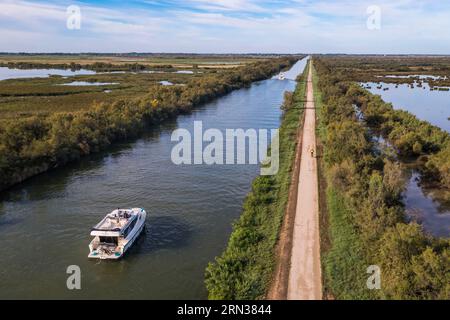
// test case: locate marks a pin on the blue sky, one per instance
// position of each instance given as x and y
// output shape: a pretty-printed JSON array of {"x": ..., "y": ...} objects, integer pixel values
[{"x": 221, "y": 26}]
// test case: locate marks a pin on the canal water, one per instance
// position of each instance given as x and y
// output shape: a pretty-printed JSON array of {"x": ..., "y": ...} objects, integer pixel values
[
  {"x": 45, "y": 222},
  {"x": 428, "y": 206},
  {"x": 13, "y": 73}
]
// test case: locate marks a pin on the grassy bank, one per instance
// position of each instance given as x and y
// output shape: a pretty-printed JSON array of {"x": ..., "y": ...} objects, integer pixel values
[
  {"x": 244, "y": 269},
  {"x": 366, "y": 220},
  {"x": 35, "y": 144},
  {"x": 337, "y": 233}
]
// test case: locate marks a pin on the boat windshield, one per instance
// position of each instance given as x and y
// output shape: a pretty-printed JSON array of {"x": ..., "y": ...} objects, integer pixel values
[{"x": 109, "y": 240}]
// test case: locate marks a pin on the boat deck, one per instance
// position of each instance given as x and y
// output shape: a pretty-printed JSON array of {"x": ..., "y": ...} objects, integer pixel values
[
  {"x": 117, "y": 219},
  {"x": 112, "y": 223}
]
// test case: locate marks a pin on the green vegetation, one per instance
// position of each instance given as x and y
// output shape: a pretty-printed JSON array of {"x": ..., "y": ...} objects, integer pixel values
[
  {"x": 410, "y": 136},
  {"x": 34, "y": 144},
  {"x": 244, "y": 269},
  {"x": 365, "y": 210}
]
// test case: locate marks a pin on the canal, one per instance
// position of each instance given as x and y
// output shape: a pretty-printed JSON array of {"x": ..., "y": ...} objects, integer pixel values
[{"x": 45, "y": 222}]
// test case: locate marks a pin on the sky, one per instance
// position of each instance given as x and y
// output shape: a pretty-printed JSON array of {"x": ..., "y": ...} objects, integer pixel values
[{"x": 227, "y": 26}]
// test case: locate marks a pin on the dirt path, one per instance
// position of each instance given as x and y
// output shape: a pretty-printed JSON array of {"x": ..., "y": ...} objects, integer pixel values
[
  {"x": 279, "y": 285},
  {"x": 305, "y": 274}
]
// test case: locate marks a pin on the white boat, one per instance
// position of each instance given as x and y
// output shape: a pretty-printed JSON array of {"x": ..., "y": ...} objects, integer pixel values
[
  {"x": 116, "y": 233},
  {"x": 281, "y": 76}
]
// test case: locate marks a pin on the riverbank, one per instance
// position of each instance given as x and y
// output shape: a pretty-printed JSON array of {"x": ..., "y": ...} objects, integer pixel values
[
  {"x": 366, "y": 218},
  {"x": 37, "y": 144},
  {"x": 279, "y": 284},
  {"x": 245, "y": 268}
]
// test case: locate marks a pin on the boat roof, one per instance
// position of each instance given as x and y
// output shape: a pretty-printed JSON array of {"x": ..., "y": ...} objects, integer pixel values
[{"x": 114, "y": 222}]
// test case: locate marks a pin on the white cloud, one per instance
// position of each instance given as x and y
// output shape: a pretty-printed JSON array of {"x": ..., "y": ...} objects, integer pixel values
[
  {"x": 227, "y": 5},
  {"x": 230, "y": 26}
]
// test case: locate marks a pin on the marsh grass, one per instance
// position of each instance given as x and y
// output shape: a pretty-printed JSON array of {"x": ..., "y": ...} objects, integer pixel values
[{"x": 45, "y": 96}]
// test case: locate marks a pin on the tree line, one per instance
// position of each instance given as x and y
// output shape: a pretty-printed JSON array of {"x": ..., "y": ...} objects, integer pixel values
[{"x": 96, "y": 66}]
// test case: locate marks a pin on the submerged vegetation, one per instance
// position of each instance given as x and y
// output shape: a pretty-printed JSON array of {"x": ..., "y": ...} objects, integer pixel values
[
  {"x": 37, "y": 143},
  {"x": 410, "y": 136},
  {"x": 366, "y": 216},
  {"x": 244, "y": 269}
]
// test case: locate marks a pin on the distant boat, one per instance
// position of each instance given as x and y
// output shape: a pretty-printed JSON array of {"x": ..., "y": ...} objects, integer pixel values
[
  {"x": 116, "y": 233},
  {"x": 281, "y": 76}
]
